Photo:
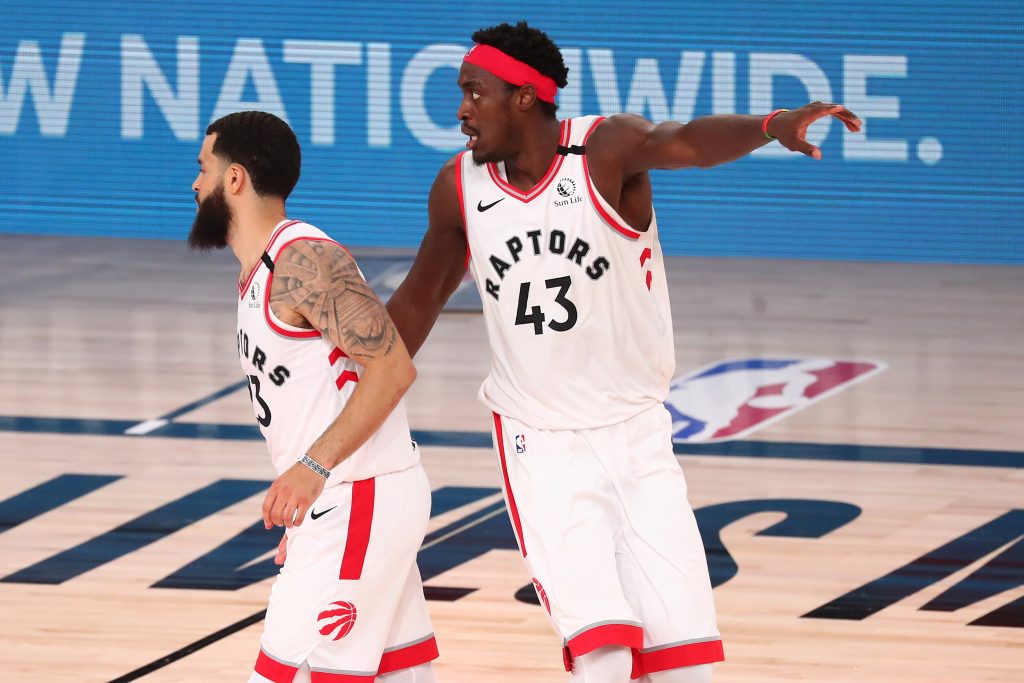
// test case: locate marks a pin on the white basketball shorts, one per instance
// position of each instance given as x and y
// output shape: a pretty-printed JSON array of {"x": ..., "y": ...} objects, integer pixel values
[
  {"x": 348, "y": 603},
  {"x": 611, "y": 542}
]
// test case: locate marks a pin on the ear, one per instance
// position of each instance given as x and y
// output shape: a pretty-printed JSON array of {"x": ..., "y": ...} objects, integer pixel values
[
  {"x": 235, "y": 178},
  {"x": 525, "y": 97}
]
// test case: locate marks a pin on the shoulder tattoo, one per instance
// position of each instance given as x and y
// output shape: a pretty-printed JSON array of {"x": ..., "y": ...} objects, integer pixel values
[{"x": 320, "y": 281}]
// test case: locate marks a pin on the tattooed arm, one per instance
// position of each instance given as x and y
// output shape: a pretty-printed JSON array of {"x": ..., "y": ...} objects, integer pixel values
[{"x": 317, "y": 285}]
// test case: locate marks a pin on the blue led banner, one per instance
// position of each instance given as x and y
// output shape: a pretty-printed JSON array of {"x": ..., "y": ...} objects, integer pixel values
[{"x": 103, "y": 107}]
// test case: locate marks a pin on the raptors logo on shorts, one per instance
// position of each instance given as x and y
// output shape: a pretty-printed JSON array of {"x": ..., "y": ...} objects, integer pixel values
[{"x": 337, "y": 621}]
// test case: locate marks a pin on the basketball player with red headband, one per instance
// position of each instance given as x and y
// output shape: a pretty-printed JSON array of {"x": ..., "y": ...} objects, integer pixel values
[
  {"x": 554, "y": 219},
  {"x": 326, "y": 371}
]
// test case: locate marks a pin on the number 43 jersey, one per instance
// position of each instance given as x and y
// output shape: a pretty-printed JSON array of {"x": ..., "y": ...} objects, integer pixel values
[{"x": 575, "y": 300}]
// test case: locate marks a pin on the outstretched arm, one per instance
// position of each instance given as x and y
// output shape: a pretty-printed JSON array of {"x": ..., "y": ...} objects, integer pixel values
[
  {"x": 636, "y": 145},
  {"x": 439, "y": 266},
  {"x": 319, "y": 284}
]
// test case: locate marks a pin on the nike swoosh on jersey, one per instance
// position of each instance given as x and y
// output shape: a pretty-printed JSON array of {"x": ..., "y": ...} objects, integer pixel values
[
  {"x": 313, "y": 514},
  {"x": 481, "y": 207}
]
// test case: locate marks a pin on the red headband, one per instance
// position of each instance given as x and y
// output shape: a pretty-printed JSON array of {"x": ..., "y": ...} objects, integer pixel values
[{"x": 511, "y": 70}]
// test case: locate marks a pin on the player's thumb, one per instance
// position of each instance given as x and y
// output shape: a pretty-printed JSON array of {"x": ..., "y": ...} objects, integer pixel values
[{"x": 807, "y": 148}]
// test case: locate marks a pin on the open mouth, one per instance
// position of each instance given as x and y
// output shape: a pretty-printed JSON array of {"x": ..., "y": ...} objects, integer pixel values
[{"x": 473, "y": 137}]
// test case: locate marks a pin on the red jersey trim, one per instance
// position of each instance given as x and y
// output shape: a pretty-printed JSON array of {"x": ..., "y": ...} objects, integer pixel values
[
  {"x": 690, "y": 654},
  {"x": 612, "y": 222},
  {"x": 273, "y": 670},
  {"x": 284, "y": 332},
  {"x": 542, "y": 185},
  {"x": 360, "y": 521},
  {"x": 459, "y": 189},
  {"x": 277, "y": 233},
  {"x": 593, "y": 127},
  {"x": 513, "y": 511},
  {"x": 408, "y": 656}
]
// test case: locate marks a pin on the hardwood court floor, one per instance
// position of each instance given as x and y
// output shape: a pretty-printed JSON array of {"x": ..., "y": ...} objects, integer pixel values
[{"x": 97, "y": 336}]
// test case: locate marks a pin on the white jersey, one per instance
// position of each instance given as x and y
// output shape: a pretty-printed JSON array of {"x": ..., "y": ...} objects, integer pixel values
[
  {"x": 575, "y": 299},
  {"x": 299, "y": 382}
]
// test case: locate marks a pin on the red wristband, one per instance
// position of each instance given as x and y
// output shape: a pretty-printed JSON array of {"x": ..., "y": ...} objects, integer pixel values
[{"x": 764, "y": 124}]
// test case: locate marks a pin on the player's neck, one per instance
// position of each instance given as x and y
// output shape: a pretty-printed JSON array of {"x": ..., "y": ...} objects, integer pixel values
[
  {"x": 532, "y": 160},
  {"x": 250, "y": 231}
]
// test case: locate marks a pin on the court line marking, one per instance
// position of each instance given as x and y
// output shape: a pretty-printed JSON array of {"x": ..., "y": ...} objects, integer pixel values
[
  {"x": 148, "y": 426},
  {"x": 769, "y": 450},
  {"x": 191, "y": 648}
]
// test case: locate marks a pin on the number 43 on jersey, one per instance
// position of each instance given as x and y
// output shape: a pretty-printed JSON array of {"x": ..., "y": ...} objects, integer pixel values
[{"x": 533, "y": 315}]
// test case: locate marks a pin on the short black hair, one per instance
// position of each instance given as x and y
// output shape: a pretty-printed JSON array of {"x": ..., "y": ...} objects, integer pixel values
[
  {"x": 531, "y": 46},
  {"x": 264, "y": 145}
]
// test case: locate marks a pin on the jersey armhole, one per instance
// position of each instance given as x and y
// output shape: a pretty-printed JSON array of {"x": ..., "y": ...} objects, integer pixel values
[{"x": 609, "y": 215}]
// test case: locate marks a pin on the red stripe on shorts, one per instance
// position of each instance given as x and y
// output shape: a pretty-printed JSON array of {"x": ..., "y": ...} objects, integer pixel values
[
  {"x": 406, "y": 657},
  {"x": 273, "y": 670},
  {"x": 690, "y": 654},
  {"x": 359, "y": 522},
  {"x": 513, "y": 511}
]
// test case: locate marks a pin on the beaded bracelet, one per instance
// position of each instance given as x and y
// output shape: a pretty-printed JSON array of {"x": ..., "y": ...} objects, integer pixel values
[{"x": 764, "y": 124}]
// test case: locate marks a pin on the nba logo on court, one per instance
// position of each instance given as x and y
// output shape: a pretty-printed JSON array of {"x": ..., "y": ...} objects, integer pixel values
[
  {"x": 731, "y": 399},
  {"x": 520, "y": 443}
]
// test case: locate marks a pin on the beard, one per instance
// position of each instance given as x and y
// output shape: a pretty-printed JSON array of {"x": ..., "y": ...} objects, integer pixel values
[
  {"x": 482, "y": 158},
  {"x": 210, "y": 227}
]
